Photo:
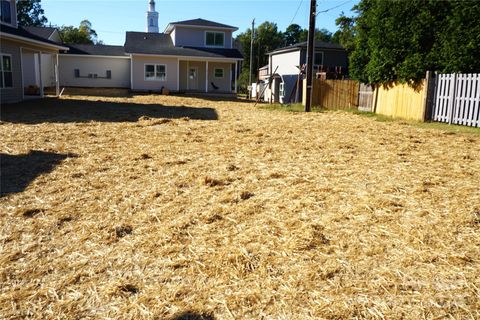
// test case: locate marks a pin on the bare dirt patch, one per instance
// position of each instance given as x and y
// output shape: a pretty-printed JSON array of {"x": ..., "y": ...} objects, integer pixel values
[{"x": 179, "y": 208}]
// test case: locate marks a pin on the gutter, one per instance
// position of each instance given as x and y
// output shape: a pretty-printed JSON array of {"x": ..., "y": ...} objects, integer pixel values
[{"x": 28, "y": 40}]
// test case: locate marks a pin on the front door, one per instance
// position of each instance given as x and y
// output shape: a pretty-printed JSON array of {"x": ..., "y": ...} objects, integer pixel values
[{"x": 193, "y": 78}]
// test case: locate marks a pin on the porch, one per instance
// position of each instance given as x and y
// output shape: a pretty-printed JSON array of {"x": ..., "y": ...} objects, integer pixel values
[
  {"x": 213, "y": 77},
  {"x": 39, "y": 73}
]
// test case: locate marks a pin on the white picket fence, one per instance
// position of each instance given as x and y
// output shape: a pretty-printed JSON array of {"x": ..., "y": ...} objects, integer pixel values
[{"x": 457, "y": 99}]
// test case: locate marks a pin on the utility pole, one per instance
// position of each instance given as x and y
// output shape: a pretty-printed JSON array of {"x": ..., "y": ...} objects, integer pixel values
[
  {"x": 310, "y": 50},
  {"x": 251, "y": 60}
]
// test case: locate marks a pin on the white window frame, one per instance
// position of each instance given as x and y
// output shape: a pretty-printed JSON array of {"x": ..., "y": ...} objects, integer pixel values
[
  {"x": 215, "y": 73},
  {"x": 215, "y": 46},
  {"x": 155, "y": 78},
  {"x": 3, "y": 72}
]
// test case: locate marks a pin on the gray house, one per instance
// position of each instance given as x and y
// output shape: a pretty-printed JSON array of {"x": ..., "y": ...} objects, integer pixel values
[
  {"x": 285, "y": 64},
  {"x": 190, "y": 56},
  {"x": 28, "y": 62}
]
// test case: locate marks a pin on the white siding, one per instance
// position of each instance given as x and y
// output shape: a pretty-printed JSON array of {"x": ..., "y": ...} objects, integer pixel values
[
  {"x": 287, "y": 63},
  {"x": 138, "y": 76},
  {"x": 94, "y": 65}
]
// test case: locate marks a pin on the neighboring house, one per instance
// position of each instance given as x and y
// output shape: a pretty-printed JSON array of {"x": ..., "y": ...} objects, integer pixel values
[
  {"x": 95, "y": 66},
  {"x": 285, "y": 64},
  {"x": 48, "y": 33},
  {"x": 28, "y": 62}
]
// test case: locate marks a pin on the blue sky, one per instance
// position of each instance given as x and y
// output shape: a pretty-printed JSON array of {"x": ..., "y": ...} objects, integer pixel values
[{"x": 112, "y": 18}]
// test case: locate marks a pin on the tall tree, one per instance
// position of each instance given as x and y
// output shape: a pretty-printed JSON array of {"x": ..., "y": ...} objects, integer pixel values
[
  {"x": 400, "y": 40},
  {"x": 30, "y": 13},
  {"x": 345, "y": 35},
  {"x": 84, "y": 34},
  {"x": 294, "y": 34}
]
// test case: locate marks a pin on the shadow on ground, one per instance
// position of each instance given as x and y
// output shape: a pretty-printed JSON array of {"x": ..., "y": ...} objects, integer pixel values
[
  {"x": 193, "y": 316},
  {"x": 18, "y": 171},
  {"x": 71, "y": 110}
]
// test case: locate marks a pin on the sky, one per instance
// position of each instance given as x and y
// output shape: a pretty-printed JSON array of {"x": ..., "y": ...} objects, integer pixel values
[{"x": 112, "y": 18}]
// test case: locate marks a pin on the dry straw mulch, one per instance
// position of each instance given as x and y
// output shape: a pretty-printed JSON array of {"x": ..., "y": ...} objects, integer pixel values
[{"x": 153, "y": 207}]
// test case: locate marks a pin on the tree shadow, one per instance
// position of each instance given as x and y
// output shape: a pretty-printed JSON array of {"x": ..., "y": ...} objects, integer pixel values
[
  {"x": 18, "y": 171},
  {"x": 71, "y": 110}
]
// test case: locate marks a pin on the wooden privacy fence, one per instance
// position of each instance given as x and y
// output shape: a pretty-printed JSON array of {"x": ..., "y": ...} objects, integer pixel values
[
  {"x": 333, "y": 94},
  {"x": 457, "y": 99}
]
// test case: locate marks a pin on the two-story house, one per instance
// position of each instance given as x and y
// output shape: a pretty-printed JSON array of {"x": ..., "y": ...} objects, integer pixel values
[
  {"x": 28, "y": 62},
  {"x": 189, "y": 56}
]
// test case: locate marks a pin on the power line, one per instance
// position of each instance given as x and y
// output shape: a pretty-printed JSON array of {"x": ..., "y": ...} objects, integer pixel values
[
  {"x": 338, "y": 6},
  {"x": 295, "y": 15}
]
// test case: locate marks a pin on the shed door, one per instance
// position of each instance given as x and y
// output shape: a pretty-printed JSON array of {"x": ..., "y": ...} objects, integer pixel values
[{"x": 193, "y": 78}]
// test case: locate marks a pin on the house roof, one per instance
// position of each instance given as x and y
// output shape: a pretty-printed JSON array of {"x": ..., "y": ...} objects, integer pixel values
[
  {"x": 303, "y": 45},
  {"x": 22, "y": 34},
  {"x": 96, "y": 50},
  {"x": 42, "y": 32},
  {"x": 199, "y": 23},
  {"x": 161, "y": 44}
]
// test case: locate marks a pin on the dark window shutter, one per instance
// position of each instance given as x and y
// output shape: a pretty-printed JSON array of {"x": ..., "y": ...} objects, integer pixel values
[{"x": 77, "y": 73}]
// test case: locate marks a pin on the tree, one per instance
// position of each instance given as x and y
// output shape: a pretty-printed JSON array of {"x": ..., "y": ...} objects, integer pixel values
[
  {"x": 30, "y": 13},
  {"x": 294, "y": 34},
  {"x": 267, "y": 38},
  {"x": 401, "y": 40},
  {"x": 346, "y": 33},
  {"x": 84, "y": 34},
  {"x": 323, "y": 35}
]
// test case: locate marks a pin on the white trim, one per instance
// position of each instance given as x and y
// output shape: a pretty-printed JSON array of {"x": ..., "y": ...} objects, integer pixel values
[
  {"x": 155, "y": 67},
  {"x": 42, "y": 93},
  {"x": 215, "y": 71},
  {"x": 23, "y": 39},
  {"x": 186, "y": 58},
  {"x": 93, "y": 56},
  {"x": 235, "y": 88},
  {"x": 131, "y": 73},
  {"x": 57, "y": 76},
  {"x": 21, "y": 73},
  {"x": 3, "y": 71},
  {"x": 188, "y": 68},
  {"x": 214, "y": 32},
  {"x": 178, "y": 74},
  {"x": 206, "y": 76}
]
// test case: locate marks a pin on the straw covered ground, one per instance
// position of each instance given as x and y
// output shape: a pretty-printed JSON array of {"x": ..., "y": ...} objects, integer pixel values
[{"x": 155, "y": 207}]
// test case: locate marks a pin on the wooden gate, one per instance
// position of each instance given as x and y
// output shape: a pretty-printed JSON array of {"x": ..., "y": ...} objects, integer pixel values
[{"x": 457, "y": 99}]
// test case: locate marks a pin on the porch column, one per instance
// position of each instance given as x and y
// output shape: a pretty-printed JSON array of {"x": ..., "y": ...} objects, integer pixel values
[
  {"x": 188, "y": 75},
  {"x": 40, "y": 72},
  {"x": 206, "y": 77},
  {"x": 178, "y": 74},
  {"x": 57, "y": 77},
  {"x": 235, "y": 77}
]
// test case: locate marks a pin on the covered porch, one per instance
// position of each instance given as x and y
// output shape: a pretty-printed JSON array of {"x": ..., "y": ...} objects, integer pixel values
[
  {"x": 207, "y": 76},
  {"x": 39, "y": 73}
]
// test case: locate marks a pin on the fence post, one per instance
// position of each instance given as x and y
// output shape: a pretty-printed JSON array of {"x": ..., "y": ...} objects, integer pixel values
[
  {"x": 430, "y": 85},
  {"x": 451, "y": 102}
]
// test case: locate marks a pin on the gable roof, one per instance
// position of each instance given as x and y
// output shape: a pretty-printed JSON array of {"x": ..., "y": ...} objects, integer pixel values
[
  {"x": 303, "y": 45},
  {"x": 96, "y": 50},
  {"x": 22, "y": 34},
  {"x": 162, "y": 44},
  {"x": 42, "y": 32},
  {"x": 199, "y": 23}
]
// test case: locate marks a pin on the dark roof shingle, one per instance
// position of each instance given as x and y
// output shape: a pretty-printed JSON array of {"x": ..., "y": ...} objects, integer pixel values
[
  {"x": 42, "y": 32},
  {"x": 161, "y": 44},
  {"x": 202, "y": 23},
  {"x": 318, "y": 45},
  {"x": 96, "y": 49},
  {"x": 21, "y": 32}
]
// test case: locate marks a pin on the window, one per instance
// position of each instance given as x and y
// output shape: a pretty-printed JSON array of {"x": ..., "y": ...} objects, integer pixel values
[
  {"x": 6, "y": 79},
  {"x": 215, "y": 39},
  {"x": 151, "y": 23},
  {"x": 318, "y": 58},
  {"x": 155, "y": 72},
  {"x": 5, "y": 12},
  {"x": 218, "y": 73}
]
